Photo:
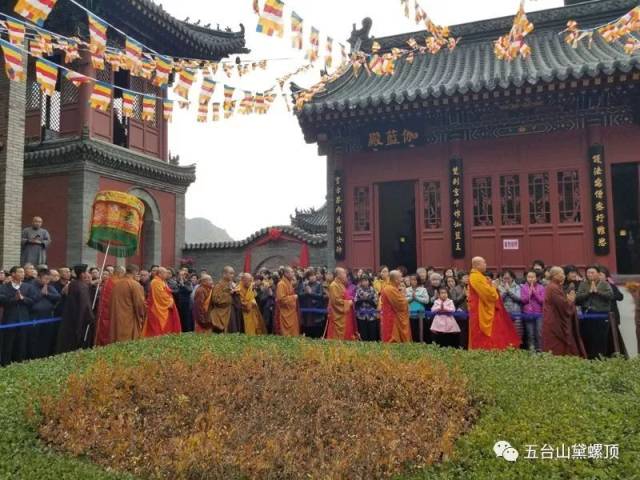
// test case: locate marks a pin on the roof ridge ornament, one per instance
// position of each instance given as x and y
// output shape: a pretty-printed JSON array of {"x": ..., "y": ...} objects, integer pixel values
[{"x": 360, "y": 36}]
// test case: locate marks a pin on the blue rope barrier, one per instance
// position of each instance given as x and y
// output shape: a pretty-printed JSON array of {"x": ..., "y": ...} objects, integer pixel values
[
  {"x": 460, "y": 315},
  {"x": 32, "y": 323}
]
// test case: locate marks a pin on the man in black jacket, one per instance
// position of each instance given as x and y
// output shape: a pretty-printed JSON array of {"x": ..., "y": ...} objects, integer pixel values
[
  {"x": 17, "y": 298},
  {"x": 42, "y": 337}
]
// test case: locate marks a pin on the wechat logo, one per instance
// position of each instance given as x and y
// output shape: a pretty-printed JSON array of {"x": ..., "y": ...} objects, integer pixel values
[{"x": 505, "y": 450}]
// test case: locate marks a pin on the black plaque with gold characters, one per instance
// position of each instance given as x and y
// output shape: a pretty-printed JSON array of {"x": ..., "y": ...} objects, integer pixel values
[
  {"x": 599, "y": 200},
  {"x": 338, "y": 216},
  {"x": 394, "y": 136},
  {"x": 456, "y": 194}
]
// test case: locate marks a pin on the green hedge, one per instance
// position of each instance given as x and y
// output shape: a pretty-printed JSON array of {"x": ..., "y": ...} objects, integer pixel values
[{"x": 523, "y": 398}]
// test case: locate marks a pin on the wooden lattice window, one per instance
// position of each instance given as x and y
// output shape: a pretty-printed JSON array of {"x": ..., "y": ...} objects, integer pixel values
[
  {"x": 510, "y": 200},
  {"x": 34, "y": 96},
  {"x": 539, "y": 199},
  {"x": 361, "y": 209},
  {"x": 482, "y": 202},
  {"x": 432, "y": 205},
  {"x": 569, "y": 196},
  {"x": 137, "y": 85}
]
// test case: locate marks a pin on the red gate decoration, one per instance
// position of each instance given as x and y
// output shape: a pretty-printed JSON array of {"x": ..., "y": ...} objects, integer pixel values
[{"x": 276, "y": 235}]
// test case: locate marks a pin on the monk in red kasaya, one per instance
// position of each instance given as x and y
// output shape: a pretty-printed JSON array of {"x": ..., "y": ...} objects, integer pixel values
[
  {"x": 396, "y": 327},
  {"x": 162, "y": 313},
  {"x": 490, "y": 327},
  {"x": 340, "y": 325}
]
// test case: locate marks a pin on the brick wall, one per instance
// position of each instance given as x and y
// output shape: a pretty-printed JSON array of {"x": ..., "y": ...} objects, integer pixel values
[{"x": 12, "y": 124}]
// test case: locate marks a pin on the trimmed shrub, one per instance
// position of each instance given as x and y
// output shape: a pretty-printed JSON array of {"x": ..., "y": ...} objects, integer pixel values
[{"x": 327, "y": 414}]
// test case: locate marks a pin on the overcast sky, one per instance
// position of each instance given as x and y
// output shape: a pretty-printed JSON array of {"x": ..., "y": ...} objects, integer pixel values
[{"x": 254, "y": 171}]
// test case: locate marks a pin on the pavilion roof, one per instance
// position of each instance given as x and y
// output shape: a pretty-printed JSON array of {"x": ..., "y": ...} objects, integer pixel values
[
  {"x": 472, "y": 67},
  {"x": 149, "y": 23},
  {"x": 312, "y": 220}
]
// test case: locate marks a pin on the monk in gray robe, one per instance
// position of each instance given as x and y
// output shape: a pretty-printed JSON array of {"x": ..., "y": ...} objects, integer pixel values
[{"x": 35, "y": 242}]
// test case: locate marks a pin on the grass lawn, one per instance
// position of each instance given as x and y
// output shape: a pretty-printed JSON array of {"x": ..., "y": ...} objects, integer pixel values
[{"x": 522, "y": 398}]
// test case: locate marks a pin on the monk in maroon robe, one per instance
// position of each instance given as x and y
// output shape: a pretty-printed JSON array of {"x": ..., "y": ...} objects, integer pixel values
[{"x": 560, "y": 327}]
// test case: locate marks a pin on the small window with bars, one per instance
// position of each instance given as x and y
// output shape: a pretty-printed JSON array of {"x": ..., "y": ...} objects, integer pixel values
[
  {"x": 539, "y": 199},
  {"x": 361, "y": 209},
  {"x": 569, "y": 196},
  {"x": 432, "y": 205},
  {"x": 510, "y": 200},
  {"x": 482, "y": 202}
]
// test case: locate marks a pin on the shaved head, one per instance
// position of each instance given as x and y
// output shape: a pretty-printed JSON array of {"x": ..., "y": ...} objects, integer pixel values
[
  {"x": 340, "y": 274},
  {"x": 206, "y": 280},
  {"x": 228, "y": 273},
  {"x": 479, "y": 263},
  {"x": 396, "y": 277}
]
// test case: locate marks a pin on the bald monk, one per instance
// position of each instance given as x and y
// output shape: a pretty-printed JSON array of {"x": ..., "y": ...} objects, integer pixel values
[
  {"x": 222, "y": 303},
  {"x": 340, "y": 319},
  {"x": 287, "y": 306},
  {"x": 128, "y": 309},
  {"x": 395, "y": 311},
  {"x": 202, "y": 305},
  {"x": 490, "y": 326},
  {"x": 560, "y": 327},
  {"x": 253, "y": 322},
  {"x": 162, "y": 313},
  {"x": 103, "y": 322}
]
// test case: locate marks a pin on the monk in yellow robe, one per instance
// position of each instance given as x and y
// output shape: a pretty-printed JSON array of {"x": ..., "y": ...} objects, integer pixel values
[
  {"x": 287, "y": 306},
  {"x": 222, "y": 301},
  {"x": 128, "y": 309},
  {"x": 202, "y": 305},
  {"x": 340, "y": 325},
  {"x": 162, "y": 313},
  {"x": 381, "y": 282},
  {"x": 396, "y": 327},
  {"x": 253, "y": 322},
  {"x": 490, "y": 326}
]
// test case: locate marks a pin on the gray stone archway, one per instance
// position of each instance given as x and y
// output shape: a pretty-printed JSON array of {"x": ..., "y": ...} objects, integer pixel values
[{"x": 151, "y": 228}]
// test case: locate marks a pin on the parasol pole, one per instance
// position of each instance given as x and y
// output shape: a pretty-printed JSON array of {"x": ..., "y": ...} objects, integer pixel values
[{"x": 95, "y": 297}]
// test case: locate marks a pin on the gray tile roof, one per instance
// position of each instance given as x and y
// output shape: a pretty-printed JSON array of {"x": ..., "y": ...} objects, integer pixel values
[
  {"x": 312, "y": 220},
  {"x": 473, "y": 67}
]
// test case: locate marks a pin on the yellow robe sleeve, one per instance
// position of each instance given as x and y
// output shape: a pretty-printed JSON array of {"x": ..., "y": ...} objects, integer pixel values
[
  {"x": 284, "y": 297},
  {"x": 488, "y": 295},
  {"x": 336, "y": 298}
]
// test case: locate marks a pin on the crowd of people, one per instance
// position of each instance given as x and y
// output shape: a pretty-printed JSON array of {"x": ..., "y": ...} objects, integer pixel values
[{"x": 82, "y": 307}]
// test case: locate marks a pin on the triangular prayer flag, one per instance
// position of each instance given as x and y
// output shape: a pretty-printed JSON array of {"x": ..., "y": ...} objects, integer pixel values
[
  {"x": 328, "y": 59},
  {"x": 13, "y": 61},
  {"x": 133, "y": 51},
  {"x": 203, "y": 112},
  {"x": 46, "y": 76},
  {"x": 314, "y": 40},
  {"x": 128, "y": 102},
  {"x": 101, "y": 96},
  {"x": 35, "y": 10},
  {"x": 97, "y": 34},
  {"x": 35, "y": 48},
  {"x": 148, "y": 108},
  {"x": 215, "y": 112},
  {"x": 297, "y": 26},
  {"x": 270, "y": 21},
  {"x": 16, "y": 32},
  {"x": 207, "y": 91},
  {"x": 163, "y": 70},
  {"x": 185, "y": 81},
  {"x": 71, "y": 50},
  {"x": 76, "y": 78},
  {"x": 228, "y": 92},
  {"x": 167, "y": 110},
  {"x": 229, "y": 108}
]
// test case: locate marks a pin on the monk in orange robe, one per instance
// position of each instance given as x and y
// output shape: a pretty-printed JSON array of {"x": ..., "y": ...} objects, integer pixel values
[
  {"x": 396, "y": 327},
  {"x": 202, "y": 305},
  {"x": 253, "y": 322},
  {"x": 162, "y": 313},
  {"x": 490, "y": 327},
  {"x": 340, "y": 325},
  {"x": 103, "y": 327},
  {"x": 128, "y": 309},
  {"x": 287, "y": 306}
]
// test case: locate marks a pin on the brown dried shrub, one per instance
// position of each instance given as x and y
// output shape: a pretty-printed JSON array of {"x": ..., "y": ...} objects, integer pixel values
[{"x": 328, "y": 413}]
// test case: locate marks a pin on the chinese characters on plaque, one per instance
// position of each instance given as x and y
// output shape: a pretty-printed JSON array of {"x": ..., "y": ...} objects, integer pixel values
[
  {"x": 456, "y": 195},
  {"x": 392, "y": 138},
  {"x": 338, "y": 216},
  {"x": 599, "y": 200}
]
